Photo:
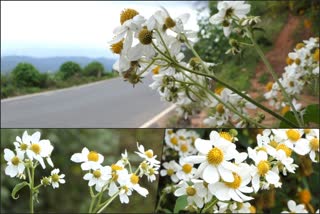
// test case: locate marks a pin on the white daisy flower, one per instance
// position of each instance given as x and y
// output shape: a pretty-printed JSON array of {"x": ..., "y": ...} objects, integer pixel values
[
  {"x": 234, "y": 190},
  {"x": 147, "y": 155},
  {"x": 227, "y": 11},
  {"x": 170, "y": 169},
  {"x": 15, "y": 163},
  {"x": 24, "y": 143},
  {"x": 55, "y": 178},
  {"x": 39, "y": 149},
  {"x": 98, "y": 177},
  {"x": 290, "y": 137},
  {"x": 195, "y": 193},
  {"x": 214, "y": 161},
  {"x": 262, "y": 169},
  {"x": 312, "y": 147},
  {"x": 186, "y": 171},
  {"x": 294, "y": 208},
  {"x": 89, "y": 159},
  {"x": 116, "y": 169}
]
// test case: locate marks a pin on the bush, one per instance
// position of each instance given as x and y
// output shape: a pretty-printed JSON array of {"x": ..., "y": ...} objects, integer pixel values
[
  {"x": 69, "y": 69},
  {"x": 94, "y": 69},
  {"x": 25, "y": 75}
]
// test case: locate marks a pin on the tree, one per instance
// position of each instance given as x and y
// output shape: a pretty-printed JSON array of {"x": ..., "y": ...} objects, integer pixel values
[
  {"x": 94, "y": 69},
  {"x": 69, "y": 69},
  {"x": 25, "y": 75}
]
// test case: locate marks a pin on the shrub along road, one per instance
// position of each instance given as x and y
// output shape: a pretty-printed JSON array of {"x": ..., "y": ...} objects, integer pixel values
[{"x": 110, "y": 103}]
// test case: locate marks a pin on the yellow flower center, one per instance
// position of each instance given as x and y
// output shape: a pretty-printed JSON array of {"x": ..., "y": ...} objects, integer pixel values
[
  {"x": 184, "y": 148},
  {"x": 316, "y": 55},
  {"x": 23, "y": 146},
  {"x": 220, "y": 108},
  {"x": 262, "y": 148},
  {"x": 117, "y": 47},
  {"x": 218, "y": 90},
  {"x": 289, "y": 61},
  {"x": 314, "y": 144},
  {"x": 291, "y": 84},
  {"x": 297, "y": 61},
  {"x": 263, "y": 167},
  {"x": 35, "y": 148},
  {"x": 174, "y": 141},
  {"x": 284, "y": 148},
  {"x": 215, "y": 156},
  {"x": 285, "y": 109},
  {"x": 269, "y": 86},
  {"x": 144, "y": 165},
  {"x": 115, "y": 176},
  {"x": 116, "y": 167},
  {"x": 187, "y": 168},
  {"x": 55, "y": 177},
  {"x": 151, "y": 171},
  {"x": 155, "y": 71},
  {"x": 236, "y": 182},
  {"x": 170, "y": 172},
  {"x": 169, "y": 22},
  {"x": 252, "y": 209},
  {"x": 226, "y": 136},
  {"x": 293, "y": 135},
  {"x": 15, "y": 160},
  {"x": 145, "y": 36},
  {"x": 134, "y": 179},
  {"x": 191, "y": 191},
  {"x": 299, "y": 46},
  {"x": 149, "y": 153},
  {"x": 307, "y": 131},
  {"x": 170, "y": 132},
  {"x": 305, "y": 196},
  {"x": 93, "y": 156},
  {"x": 96, "y": 173},
  {"x": 127, "y": 14},
  {"x": 273, "y": 143}
]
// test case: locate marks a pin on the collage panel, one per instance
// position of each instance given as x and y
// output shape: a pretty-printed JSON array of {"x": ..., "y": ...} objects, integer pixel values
[
  {"x": 239, "y": 171},
  {"x": 80, "y": 170}
]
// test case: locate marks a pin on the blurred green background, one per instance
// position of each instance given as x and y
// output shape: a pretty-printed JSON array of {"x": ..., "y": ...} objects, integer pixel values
[{"x": 73, "y": 197}]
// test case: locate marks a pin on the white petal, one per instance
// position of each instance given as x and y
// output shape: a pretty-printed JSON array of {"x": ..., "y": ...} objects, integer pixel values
[
  {"x": 180, "y": 191},
  {"x": 234, "y": 195},
  {"x": 11, "y": 170},
  {"x": 8, "y": 155},
  {"x": 210, "y": 174},
  {"x": 25, "y": 138},
  {"x": 272, "y": 177},
  {"x": 291, "y": 205},
  {"x": 77, "y": 158},
  {"x": 35, "y": 137},
  {"x": 244, "y": 197},
  {"x": 87, "y": 176},
  {"x": 203, "y": 146},
  {"x": 302, "y": 147},
  {"x": 225, "y": 174}
]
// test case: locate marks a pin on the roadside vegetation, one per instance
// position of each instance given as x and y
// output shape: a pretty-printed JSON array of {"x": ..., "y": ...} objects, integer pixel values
[{"x": 26, "y": 79}]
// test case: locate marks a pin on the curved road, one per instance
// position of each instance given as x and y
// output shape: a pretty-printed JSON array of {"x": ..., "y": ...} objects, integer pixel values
[{"x": 107, "y": 104}]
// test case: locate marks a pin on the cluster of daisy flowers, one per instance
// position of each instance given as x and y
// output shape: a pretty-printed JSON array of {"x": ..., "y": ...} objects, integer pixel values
[
  {"x": 30, "y": 151},
  {"x": 217, "y": 177},
  {"x": 155, "y": 45},
  {"x": 301, "y": 70},
  {"x": 117, "y": 179}
]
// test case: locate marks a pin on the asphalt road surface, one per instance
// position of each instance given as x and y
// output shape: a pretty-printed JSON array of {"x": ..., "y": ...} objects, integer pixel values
[{"x": 107, "y": 104}]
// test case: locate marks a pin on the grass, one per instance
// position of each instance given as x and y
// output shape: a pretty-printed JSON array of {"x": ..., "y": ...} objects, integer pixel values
[{"x": 12, "y": 91}]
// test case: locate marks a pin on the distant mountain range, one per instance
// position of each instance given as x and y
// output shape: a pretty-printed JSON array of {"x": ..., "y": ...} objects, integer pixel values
[{"x": 51, "y": 64}]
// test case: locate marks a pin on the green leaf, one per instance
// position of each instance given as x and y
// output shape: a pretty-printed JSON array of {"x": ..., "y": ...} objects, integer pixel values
[
  {"x": 290, "y": 116},
  {"x": 17, "y": 188},
  {"x": 312, "y": 114},
  {"x": 181, "y": 203}
]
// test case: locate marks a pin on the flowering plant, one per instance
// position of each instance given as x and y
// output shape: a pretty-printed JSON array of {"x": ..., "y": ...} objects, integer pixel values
[
  {"x": 156, "y": 45},
  {"x": 118, "y": 179},
  {"x": 216, "y": 176},
  {"x": 30, "y": 152}
]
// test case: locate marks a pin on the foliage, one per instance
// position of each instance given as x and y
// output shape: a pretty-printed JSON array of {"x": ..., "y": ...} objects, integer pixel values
[
  {"x": 94, "y": 69},
  {"x": 69, "y": 69},
  {"x": 25, "y": 74}
]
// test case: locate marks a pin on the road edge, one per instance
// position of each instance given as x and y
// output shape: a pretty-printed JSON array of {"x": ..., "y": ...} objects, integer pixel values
[{"x": 157, "y": 117}]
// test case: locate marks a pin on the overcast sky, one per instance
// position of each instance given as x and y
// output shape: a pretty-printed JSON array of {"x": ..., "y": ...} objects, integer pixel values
[{"x": 48, "y": 28}]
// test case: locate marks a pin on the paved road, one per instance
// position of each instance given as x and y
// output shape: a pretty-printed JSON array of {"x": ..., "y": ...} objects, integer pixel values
[{"x": 107, "y": 104}]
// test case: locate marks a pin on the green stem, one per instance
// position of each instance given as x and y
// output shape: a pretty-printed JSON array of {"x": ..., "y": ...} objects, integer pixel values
[
  {"x": 37, "y": 187},
  {"x": 274, "y": 76},
  {"x": 209, "y": 206},
  {"x": 226, "y": 104},
  {"x": 31, "y": 182},
  {"x": 164, "y": 44},
  {"x": 233, "y": 89},
  {"x": 106, "y": 203},
  {"x": 240, "y": 94}
]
